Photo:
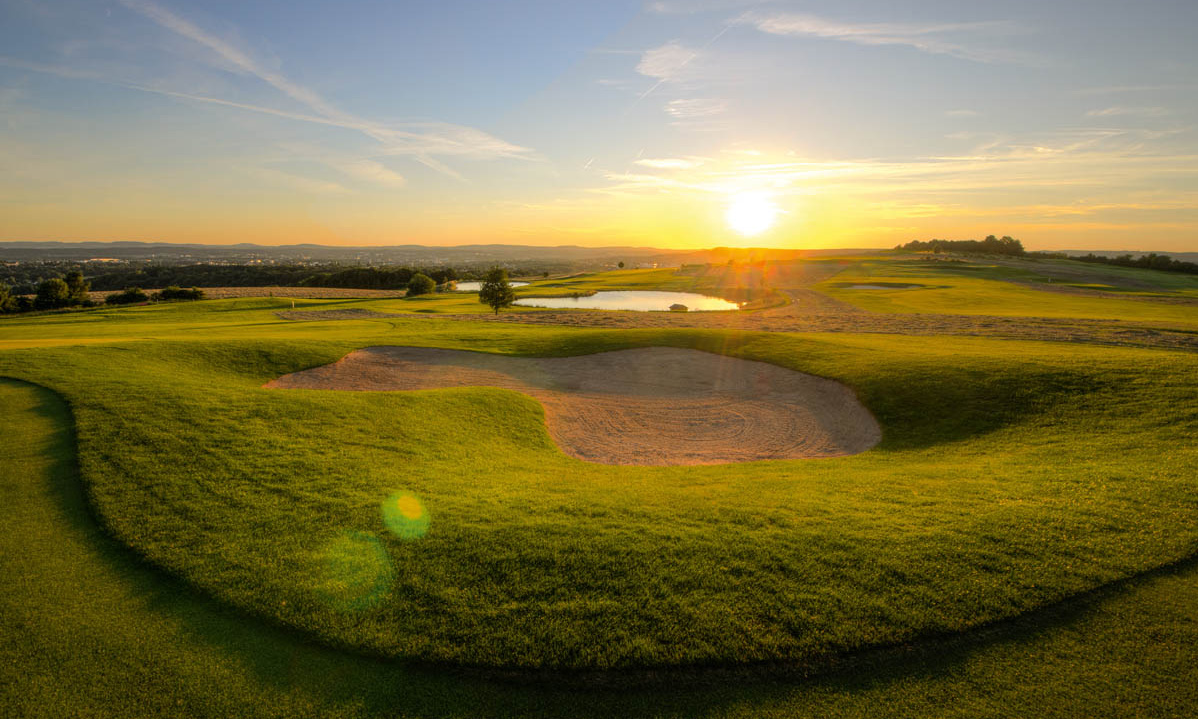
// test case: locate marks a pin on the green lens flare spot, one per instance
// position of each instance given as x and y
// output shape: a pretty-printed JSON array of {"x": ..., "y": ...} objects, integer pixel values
[
  {"x": 405, "y": 515},
  {"x": 355, "y": 572}
]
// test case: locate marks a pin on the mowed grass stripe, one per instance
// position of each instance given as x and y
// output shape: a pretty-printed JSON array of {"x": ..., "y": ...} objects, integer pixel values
[{"x": 86, "y": 630}]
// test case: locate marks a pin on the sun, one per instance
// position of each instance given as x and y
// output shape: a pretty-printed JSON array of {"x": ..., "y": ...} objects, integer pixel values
[{"x": 751, "y": 213}]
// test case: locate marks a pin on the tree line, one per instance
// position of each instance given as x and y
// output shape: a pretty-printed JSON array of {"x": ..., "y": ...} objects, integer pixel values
[
  {"x": 23, "y": 278},
  {"x": 73, "y": 291},
  {"x": 990, "y": 246},
  {"x": 1150, "y": 261}
]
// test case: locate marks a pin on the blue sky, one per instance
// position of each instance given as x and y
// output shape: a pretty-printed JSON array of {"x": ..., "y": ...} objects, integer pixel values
[{"x": 861, "y": 123}]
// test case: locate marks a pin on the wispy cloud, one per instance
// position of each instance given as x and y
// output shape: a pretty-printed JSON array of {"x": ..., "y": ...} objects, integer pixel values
[
  {"x": 1122, "y": 110},
  {"x": 962, "y": 113},
  {"x": 370, "y": 170},
  {"x": 421, "y": 141},
  {"x": 691, "y": 7},
  {"x": 686, "y": 109},
  {"x": 668, "y": 163},
  {"x": 667, "y": 62},
  {"x": 1119, "y": 89},
  {"x": 960, "y": 40}
]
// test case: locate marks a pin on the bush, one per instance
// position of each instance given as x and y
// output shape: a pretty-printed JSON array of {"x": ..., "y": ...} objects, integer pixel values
[
  {"x": 178, "y": 293},
  {"x": 131, "y": 295},
  {"x": 421, "y": 284}
]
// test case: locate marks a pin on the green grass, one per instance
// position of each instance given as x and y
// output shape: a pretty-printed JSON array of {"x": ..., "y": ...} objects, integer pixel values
[
  {"x": 1011, "y": 475},
  {"x": 980, "y": 288},
  {"x": 88, "y": 630},
  {"x": 238, "y": 550}
]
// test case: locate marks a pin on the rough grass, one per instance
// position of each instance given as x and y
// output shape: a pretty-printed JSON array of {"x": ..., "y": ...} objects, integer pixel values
[
  {"x": 1011, "y": 475},
  {"x": 980, "y": 288},
  {"x": 86, "y": 630}
]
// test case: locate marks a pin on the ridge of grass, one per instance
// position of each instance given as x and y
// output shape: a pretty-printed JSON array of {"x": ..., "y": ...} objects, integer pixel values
[
  {"x": 1011, "y": 475},
  {"x": 86, "y": 630}
]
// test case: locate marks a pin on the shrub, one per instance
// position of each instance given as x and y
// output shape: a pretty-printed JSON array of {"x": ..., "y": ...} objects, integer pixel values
[
  {"x": 130, "y": 296},
  {"x": 421, "y": 284},
  {"x": 178, "y": 293}
]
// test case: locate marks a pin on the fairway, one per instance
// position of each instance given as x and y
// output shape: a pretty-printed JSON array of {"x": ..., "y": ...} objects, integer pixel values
[{"x": 452, "y": 516}]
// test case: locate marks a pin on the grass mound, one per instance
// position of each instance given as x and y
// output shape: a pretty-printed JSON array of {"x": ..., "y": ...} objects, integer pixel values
[{"x": 1010, "y": 475}]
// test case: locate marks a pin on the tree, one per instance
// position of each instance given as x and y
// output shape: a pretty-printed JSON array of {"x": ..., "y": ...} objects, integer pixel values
[
  {"x": 8, "y": 303},
  {"x": 77, "y": 288},
  {"x": 52, "y": 294},
  {"x": 620, "y": 264},
  {"x": 420, "y": 284},
  {"x": 496, "y": 291}
]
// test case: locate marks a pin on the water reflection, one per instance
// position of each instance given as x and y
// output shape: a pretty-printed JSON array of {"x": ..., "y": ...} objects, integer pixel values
[
  {"x": 476, "y": 286},
  {"x": 640, "y": 300}
]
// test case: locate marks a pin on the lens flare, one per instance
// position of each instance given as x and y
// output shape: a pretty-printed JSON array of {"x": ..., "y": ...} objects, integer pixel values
[
  {"x": 354, "y": 572},
  {"x": 405, "y": 515}
]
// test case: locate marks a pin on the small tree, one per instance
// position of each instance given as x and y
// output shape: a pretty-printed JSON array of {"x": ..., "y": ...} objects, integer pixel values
[
  {"x": 620, "y": 264},
  {"x": 421, "y": 284},
  {"x": 8, "y": 303},
  {"x": 77, "y": 288},
  {"x": 52, "y": 294},
  {"x": 496, "y": 291}
]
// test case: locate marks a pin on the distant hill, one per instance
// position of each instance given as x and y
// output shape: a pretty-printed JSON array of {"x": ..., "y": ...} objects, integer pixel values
[{"x": 459, "y": 255}]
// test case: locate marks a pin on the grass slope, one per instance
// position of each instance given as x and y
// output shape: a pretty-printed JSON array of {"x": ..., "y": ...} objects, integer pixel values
[
  {"x": 1013, "y": 288},
  {"x": 86, "y": 630},
  {"x": 1011, "y": 475}
]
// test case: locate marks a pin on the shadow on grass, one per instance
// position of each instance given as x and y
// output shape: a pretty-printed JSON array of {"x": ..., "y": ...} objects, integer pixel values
[{"x": 176, "y": 623}]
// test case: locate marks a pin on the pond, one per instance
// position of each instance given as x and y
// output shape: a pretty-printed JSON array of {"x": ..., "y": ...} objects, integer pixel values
[
  {"x": 641, "y": 300},
  {"x": 476, "y": 286}
]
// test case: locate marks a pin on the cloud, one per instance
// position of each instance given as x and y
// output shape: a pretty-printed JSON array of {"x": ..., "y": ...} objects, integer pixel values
[
  {"x": 421, "y": 141},
  {"x": 666, "y": 63},
  {"x": 961, "y": 40},
  {"x": 370, "y": 170},
  {"x": 962, "y": 113},
  {"x": 685, "y": 109},
  {"x": 1117, "y": 89},
  {"x": 1133, "y": 111},
  {"x": 668, "y": 163},
  {"x": 691, "y": 7}
]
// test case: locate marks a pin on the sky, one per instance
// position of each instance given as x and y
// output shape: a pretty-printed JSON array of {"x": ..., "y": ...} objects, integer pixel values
[{"x": 1068, "y": 124}]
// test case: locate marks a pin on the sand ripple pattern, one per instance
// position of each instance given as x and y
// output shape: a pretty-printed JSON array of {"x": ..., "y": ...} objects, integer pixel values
[{"x": 651, "y": 406}]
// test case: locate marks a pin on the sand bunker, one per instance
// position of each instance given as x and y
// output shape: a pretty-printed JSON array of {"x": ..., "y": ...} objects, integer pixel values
[{"x": 653, "y": 406}]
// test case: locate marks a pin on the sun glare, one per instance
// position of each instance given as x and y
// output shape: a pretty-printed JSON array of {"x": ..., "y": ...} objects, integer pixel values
[{"x": 751, "y": 213}]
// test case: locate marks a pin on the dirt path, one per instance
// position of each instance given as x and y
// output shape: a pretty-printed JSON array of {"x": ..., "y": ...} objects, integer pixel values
[{"x": 652, "y": 406}]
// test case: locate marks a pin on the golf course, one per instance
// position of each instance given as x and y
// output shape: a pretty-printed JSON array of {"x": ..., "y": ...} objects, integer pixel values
[{"x": 889, "y": 486}]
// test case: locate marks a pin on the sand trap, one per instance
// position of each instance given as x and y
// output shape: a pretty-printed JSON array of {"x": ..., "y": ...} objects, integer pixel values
[{"x": 653, "y": 406}]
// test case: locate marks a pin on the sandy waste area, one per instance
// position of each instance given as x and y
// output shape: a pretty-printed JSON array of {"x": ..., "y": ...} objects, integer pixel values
[{"x": 651, "y": 406}]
